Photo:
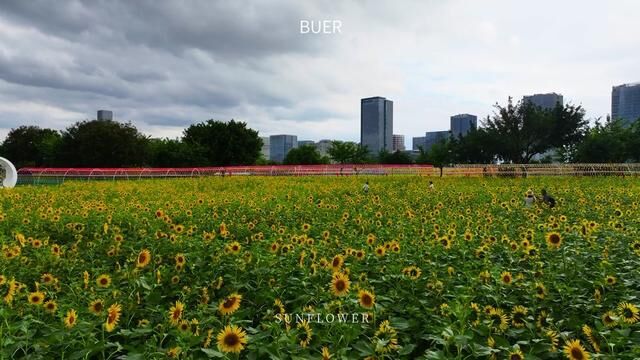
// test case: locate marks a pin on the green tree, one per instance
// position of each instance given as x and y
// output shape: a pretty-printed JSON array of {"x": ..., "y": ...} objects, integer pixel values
[
  {"x": 305, "y": 155},
  {"x": 398, "y": 157},
  {"x": 30, "y": 146},
  {"x": 524, "y": 130},
  {"x": 347, "y": 152},
  {"x": 102, "y": 143},
  {"x": 439, "y": 155},
  {"x": 476, "y": 147},
  {"x": 175, "y": 153},
  {"x": 225, "y": 143},
  {"x": 606, "y": 143}
]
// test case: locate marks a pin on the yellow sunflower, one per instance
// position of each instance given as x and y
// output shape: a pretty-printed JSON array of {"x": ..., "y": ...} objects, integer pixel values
[
  {"x": 175, "y": 313},
  {"x": 506, "y": 277},
  {"x": 366, "y": 299},
  {"x": 305, "y": 333},
  {"x": 554, "y": 240},
  {"x": 103, "y": 281},
  {"x": 629, "y": 313},
  {"x": 230, "y": 304},
  {"x": 337, "y": 262},
  {"x": 340, "y": 284},
  {"x": 36, "y": 298},
  {"x": 71, "y": 318},
  {"x": 113, "y": 315},
  {"x": 144, "y": 258},
  {"x": 231, "y": 339},
  {"x": 574, "y": 350},
  {"x": 516, "y": 355},
  {"x": 50, "y": 306}
]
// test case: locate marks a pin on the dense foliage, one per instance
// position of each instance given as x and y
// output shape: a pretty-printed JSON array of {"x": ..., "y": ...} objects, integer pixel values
[{"x": 202, "y": 268}]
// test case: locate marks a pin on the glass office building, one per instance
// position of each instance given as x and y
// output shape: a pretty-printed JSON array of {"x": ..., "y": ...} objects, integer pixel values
[
  {"x": 280, "y": 145},
  {"x": 625, "y": 102},
  {"x": 376, "y": 124},
  {"x": 461, "y": 124}
]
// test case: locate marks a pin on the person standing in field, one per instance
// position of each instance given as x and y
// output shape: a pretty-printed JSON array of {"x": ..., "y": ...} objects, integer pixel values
[
  {"x": 431, "y": 187},
  {"x": 365, "y": 187},
  {"x": 548, "y": 199},
  {"x": 529, "y": 199}
]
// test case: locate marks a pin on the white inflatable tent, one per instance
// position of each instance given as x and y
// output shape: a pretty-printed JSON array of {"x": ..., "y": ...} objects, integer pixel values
[{"x": 8, "y": 174}]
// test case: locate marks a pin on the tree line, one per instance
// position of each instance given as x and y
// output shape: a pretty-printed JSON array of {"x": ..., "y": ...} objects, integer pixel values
[{"x": 518, "y": 133}]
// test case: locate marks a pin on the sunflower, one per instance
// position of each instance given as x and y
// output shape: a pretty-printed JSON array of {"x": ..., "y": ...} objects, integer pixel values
[
  {"x": 518, "y": 315},
  {"x": 386, "y": 339},
  {"x": 70, "y": 319},
  {"x": 234, "y": 247},
  {"x": 175, "y": 313},
  {"x": 144, "y": 258},
  {"x": 445, "y": 242},
  {"x": 231, "y": 339},
  {"x": 541, "y": 290},
  {"x": 207, "y": 340},
  {"x": 588, "y": 332},
  {"x": 326, "y": 354},
  {"x": 366, "y": 299},
  {"x": 305, "y": 333},
  {"x": 499, "y": 321},
  {"x": 412, "y": 272},
  {"x": 516, "y": 355},
  {"x": 610, "y": 280},
  {"x": 36, "y": 298},
  {"x": 610, "y": 319},
  {"x": 506, "y": 277},
  {"x": 552, "y": 335},
  {"x": 96, "y": 306},
  {"x": 184, "y": 326},
  {"x": 340, "y": 284},
  {"x": 628, "y": 313},
  {"x": 381, "y": 250},
  {"x": 50, "y": 306},
  {"x": 230, "y": 304},
  {"x": 574, "y": 350},
  {"x": 103, "y": 281},
  {"x": 174, "y": 352},
  {"x": 180, "y": 259},
  {"x": 554, "y": 240},
  {"x": 47, "y": 278},
  {"x": 337, "y": 262},
  {"x": 113, "y": 315}
]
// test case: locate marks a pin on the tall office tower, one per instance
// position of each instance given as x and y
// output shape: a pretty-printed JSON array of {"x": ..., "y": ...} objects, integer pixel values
[
  {"x": 417, "y": 143},
  {"x": 398, "y": 143},
  {"x": 625, "y": 102},
  {"x": 461, "y": 124},
  {"x": 266, "y": 148},
  {"x": 545, "y": 101},
  {"x": 433, "y": 137},
  {"x": 280, "y": 146},
  {"x": 105, "y": 115},
  {"x": 376, "y": 124}
]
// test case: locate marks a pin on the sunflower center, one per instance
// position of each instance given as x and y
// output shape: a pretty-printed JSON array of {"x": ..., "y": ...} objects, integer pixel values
[
  {"x": 229, "y": 303},
  {"x": 340, "y": 285},
  {"x": 577, "y": 353},
  {"x": 231, "y": 340},
  {"x": 554, "y": 239},
  {"x": 366, "y": 299}
]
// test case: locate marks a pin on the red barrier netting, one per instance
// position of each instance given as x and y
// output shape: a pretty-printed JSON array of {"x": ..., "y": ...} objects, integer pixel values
[{"x": 49, "y": 175}]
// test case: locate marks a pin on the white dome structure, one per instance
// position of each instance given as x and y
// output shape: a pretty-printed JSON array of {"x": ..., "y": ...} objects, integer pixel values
[{"x": 8, "y": 174}]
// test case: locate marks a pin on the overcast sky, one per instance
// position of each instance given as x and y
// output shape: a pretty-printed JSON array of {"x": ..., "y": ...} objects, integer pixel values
[{"x": 166, "y": 64}]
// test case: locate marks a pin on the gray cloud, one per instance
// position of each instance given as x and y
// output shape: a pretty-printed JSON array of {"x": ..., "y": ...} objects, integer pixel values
[{"x": 166, "y": 64}]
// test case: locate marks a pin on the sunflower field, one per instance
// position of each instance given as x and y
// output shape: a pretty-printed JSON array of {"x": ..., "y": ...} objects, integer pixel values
[{"x": 263, "y": 268}]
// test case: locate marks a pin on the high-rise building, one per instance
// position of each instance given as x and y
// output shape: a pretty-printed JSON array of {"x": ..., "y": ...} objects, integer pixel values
[
  {"x": 461, "y": 124},
  {"x": 266, "y": 148},
  {"x": 625, "y": 102},
  {"x": 376, "y": 124},
  {"x": 105, "y": 115},
  {"x": 545, "y": 101},
  {"x": 417, "y": 143},
  {"x": 323, "y": 147},
  {"x": 398, "y": 143},
  {"x": 433, "y": 137},
  {"x": 280, "y": 145},
  {"x": 306, "y": 142}
]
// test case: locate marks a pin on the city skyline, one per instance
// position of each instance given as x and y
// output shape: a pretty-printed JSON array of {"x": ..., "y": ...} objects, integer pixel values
[{"x": 179, "y": 65}]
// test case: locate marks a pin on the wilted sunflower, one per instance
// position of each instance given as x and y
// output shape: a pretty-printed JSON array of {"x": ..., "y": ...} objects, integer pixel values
[
  {"x": 175, "y": 313},
  {"x": 144, "y": 258},
  {"x": 50, "y": 306},
  {"x": 36, "y": 298},
  {"x": 574, "y": 350},
  {"x": 230, "y": 304},
  {"x": 96, "y": 306},
  {"x": 231, "y": 339},
  {"x": 113, "y": 315},
  {"x": 103, "y": 281},
  {"x": 629, "y": 313},
  {"x": 71, "y": 318},
  {"x": 366, "y": 299},
  {"x": 554, "y": 240},
  {"x": 340, "y": 284}
]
